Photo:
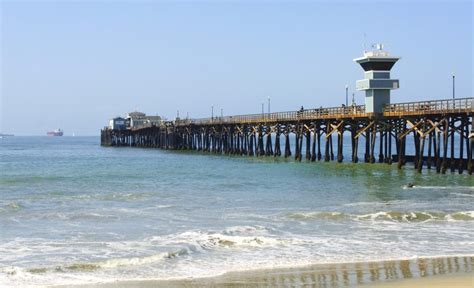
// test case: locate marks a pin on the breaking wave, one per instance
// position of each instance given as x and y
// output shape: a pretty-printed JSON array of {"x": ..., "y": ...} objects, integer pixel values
[
  {"x": 244, "y": 229},
  {"x": 319, "y": 216},
  {"x": 106, "y": 264},
  {"x": 466, "y": 188},
  {"x": 228, "y": 239},
  {"x": 395, "y": 216},
  {"x": 187, "y": 243}
]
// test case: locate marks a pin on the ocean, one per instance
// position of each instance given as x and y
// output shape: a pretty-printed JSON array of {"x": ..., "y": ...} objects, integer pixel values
[{"x": 73, "y": 212}]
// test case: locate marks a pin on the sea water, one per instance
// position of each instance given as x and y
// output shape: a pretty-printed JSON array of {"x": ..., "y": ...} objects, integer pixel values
[{"x": 72, "y": 212}]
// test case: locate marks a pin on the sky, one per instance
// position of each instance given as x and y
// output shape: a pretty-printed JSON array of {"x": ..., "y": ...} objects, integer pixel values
[{"x": 75, "y": 64}]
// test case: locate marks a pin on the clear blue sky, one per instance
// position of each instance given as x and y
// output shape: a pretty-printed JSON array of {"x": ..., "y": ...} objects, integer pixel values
[{"x": 73, "y": 65}]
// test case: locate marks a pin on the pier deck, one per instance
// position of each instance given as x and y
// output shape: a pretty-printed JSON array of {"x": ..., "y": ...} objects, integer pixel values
[{"x": 434, "y": 125}]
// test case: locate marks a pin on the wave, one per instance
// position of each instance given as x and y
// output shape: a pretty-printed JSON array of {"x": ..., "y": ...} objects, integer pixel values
[
  {"x": 106, "y": 264},
  {"x": 462, "y": 194},
  {"x": 395, "y": 216},
  {"x": 190, "y": 242},
  {"x": 132, "y": 261},
  {"x": 208, "y": 240},
  {"x": 80, "y": 216},
  {"x": 438, "y": 187},
  {"x": 244, "y": 229},
  {"x": 163, "y": 206},
  {"x": 113, "y": 196},
  {"x": 30, "y": 179},
  {"x": 319, "y": 216},
  {"x": 91, "y": 216}
]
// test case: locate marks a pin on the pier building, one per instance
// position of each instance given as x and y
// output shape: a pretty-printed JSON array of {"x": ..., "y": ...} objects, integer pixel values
[{"x": 377, "y": 83}]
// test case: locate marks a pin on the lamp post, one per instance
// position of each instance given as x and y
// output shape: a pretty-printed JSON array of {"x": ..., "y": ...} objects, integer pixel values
[
  {"x": 347, "y": 91},
  {"x": 212, "y": 112},
  {"x": 263, "y": 110},
  {"x": 268, "y": 104},
  {"x": 454, "y": 85},
  {"x": 353, "y": 100},
  {"x": 222, "y": 113}
]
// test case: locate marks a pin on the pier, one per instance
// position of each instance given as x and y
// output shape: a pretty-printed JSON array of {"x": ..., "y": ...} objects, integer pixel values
[
  {"x": 319, "y": 134},
  {"x": 441, "y": 130}
]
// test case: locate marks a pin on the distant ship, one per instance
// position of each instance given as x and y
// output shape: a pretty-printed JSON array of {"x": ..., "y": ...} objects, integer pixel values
[{"x": 57, "y": 132}]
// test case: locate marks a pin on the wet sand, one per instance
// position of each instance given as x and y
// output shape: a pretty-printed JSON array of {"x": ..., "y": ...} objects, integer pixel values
[
  {"x": 419, "y": 272},
  {"x": 465, "y": 280}
]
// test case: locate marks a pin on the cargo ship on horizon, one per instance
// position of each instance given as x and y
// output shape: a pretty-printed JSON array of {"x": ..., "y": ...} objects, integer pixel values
[{"x": 56, "y": 132}]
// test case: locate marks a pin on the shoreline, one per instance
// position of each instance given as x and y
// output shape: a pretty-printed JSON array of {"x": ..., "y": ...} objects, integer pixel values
[{"x": 415, "y": 272}]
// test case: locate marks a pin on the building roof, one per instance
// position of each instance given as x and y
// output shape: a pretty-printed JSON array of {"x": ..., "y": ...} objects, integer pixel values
[
  {"x": 377, "y": 60},
  {"x": 136, "y": 114},
  {"x": 153, "y": 118}
]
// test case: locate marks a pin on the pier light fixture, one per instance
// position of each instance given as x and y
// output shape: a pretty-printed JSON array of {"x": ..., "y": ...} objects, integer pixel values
[
  {"x": 212, "y": 112},
  {"x": 377, "y": 83},
  {"x": 268, "y": 104},
  {"x": 454, "y": 85},
  {"x": 347, "y": 93}
]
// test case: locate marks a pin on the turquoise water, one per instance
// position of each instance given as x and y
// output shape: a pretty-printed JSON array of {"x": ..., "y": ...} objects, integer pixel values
[{"x": 74, "y": 212}]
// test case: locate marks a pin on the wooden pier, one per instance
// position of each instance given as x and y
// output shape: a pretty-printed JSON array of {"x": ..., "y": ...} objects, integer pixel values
[{"x": 319, "y": 134}]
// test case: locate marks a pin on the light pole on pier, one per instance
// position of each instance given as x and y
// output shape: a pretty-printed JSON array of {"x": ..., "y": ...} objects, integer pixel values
[
  {"x": 222, "y": 113},
  {"x": 268, "y": 104},
  {"x": 263, "y": 110},
  {"x": 353, "y": 100},
  {"x": 212, "y": 112},
  {"x": 347, "y": 93},
  {"x": 454, "y": 85}
]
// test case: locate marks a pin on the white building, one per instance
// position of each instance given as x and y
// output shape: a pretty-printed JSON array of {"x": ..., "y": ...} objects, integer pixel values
[
  {"x": 377, "y": 83},
  {"x": 136, "y": 118}
]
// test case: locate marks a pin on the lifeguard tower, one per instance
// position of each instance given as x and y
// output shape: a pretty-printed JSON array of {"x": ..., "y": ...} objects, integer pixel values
[{"x": 377, "y": 83}]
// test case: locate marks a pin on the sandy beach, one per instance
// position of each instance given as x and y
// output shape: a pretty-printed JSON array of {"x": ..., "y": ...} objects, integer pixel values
[
  {"x": 465, "y": 280},
  {"x": 420, "y": 272}
]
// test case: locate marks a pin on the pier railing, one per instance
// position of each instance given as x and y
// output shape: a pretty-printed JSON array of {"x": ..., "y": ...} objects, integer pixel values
[
  {"x": 306, "y": 114},
  {"x": 459, "y": 105}
]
